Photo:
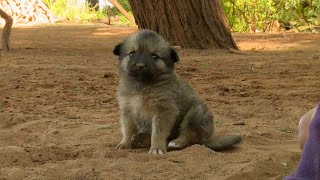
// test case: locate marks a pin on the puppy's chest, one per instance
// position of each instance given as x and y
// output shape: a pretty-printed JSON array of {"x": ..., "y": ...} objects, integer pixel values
[
  {"x": 142, "y": 107},
  {"x": 135, "y": 104}
]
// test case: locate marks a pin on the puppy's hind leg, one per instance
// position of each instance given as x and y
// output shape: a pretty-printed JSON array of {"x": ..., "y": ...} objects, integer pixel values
[
  {"x": 186, "y": 138},
  {"x": 196, "y": 126}
]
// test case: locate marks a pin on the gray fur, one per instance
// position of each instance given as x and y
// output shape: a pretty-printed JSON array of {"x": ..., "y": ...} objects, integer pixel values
[{"x": 158, "y": 108}]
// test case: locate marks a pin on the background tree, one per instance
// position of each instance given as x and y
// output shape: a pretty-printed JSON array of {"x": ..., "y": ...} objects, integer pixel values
[
  {"x": 6, "y": 30},
  {"x": 188, "y": 23},
  {"x": 27, "y": 11}
]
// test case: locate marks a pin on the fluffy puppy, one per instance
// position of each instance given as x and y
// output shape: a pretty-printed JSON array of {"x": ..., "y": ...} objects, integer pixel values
[{"x": 157, "y": 106}]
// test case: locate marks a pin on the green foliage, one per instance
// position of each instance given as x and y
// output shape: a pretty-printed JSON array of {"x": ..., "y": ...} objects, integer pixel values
[
  {"x": 300, "y": 13},
  {"x": 123, "y": 21},
  {"x": 257, "y": 15},
  {"x": 77, "y": 12},
  {"x": 73, "y": 11},
  {"x": 125, "y": 4},
  {"x": 242, "y": 15},
  {"x": 249, "y": 15}
]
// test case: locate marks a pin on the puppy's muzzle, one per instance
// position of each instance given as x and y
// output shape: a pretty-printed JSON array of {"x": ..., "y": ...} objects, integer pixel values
[
  {"x": 138, "y": 69},
  {"x": 140, "y": 66}
]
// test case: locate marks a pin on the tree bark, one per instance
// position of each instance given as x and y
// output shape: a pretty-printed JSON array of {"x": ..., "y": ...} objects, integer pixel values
[
  {"x": 6, "y": 30},
  {"x": 198, "y": 24}
]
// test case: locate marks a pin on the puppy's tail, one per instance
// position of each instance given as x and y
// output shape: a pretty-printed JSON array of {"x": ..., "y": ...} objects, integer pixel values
[{"x": 223, "y": 143}]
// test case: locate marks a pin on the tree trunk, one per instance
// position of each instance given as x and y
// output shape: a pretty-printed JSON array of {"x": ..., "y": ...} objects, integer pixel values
[
  {"x": 186, "y": 23},
  {"x": 6, "y": 30}
]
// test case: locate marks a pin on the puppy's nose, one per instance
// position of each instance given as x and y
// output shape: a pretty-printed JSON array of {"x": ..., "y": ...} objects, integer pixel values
[{"x": 140, "y": 66}]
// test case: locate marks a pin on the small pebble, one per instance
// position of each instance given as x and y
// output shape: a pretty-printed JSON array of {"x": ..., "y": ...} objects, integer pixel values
[
  {"x": 73, "y": 117},
  {"x": 242, "y": 123}
]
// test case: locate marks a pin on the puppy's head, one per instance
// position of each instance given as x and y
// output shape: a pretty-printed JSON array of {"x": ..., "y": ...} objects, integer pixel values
[{"x": 145, "y": 56}]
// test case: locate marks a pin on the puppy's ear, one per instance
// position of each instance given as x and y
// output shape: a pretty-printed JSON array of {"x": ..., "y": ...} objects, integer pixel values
[
  {"x": 174, "y": 55},
  {"x": 117, "y": 49}
]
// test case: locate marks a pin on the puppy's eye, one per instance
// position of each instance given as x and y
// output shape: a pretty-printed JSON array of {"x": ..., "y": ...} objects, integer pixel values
[
  {"x": 155, "y": 57},
  {"x": 131, "y": 53}
]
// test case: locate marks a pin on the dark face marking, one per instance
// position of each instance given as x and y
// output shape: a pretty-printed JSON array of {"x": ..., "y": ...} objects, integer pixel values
[
  {"x": 145, "y": 56},
  {"x": 142, "y": 66}
]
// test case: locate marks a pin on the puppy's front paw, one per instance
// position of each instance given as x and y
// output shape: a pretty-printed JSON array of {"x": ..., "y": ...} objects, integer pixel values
[
  {"x": 124, "y": 145},
  {"x": 157, "y": 150}
]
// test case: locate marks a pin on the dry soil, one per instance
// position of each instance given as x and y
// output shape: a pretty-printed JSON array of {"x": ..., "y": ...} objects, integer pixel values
[{"x": 59, "y": 117}]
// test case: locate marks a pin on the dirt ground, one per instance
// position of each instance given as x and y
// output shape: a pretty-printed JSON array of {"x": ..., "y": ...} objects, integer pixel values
[{"x": 59, "y": 117}]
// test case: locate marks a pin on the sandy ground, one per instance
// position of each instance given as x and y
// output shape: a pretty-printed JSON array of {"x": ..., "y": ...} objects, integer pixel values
[{"x": 59, "y": 117}]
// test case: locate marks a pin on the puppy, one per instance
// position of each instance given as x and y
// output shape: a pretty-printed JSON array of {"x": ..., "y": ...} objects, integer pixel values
[{"x": 159, "y": 108}]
